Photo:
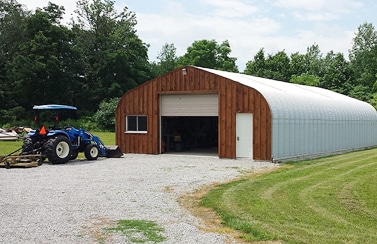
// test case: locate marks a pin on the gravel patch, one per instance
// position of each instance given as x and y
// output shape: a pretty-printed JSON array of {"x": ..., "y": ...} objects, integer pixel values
[{"x": 73, "y": 202}]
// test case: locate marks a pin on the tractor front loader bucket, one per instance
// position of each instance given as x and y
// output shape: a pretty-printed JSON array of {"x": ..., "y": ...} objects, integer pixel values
[{"x": 113, "y": 152}]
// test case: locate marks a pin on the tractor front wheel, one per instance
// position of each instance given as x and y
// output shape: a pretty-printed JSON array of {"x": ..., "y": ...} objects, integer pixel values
[
  {"x": 91, "y": 152},
  {"x": 75, "y": 153},
  {"x": 58, "y": 150}
]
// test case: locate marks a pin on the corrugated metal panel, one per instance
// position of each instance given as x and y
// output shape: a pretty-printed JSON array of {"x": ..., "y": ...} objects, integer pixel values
[
  {"x": 310, "y": 120},
  {"x": 189, "y": 105}
]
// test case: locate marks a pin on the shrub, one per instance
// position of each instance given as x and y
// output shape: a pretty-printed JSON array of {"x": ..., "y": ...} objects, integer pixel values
[{"x": 105, "y": 115}]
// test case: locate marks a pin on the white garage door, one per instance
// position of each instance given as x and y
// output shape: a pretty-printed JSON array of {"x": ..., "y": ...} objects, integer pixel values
[{"x": 189, "y": 105}]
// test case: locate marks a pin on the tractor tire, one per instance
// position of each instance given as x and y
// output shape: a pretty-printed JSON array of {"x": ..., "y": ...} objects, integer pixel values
[
  {"x": 91, "y": 152},
  {"x": 58, "y": 150},
  {"x": 74, "y": 154},
  {"x": 27, "y": 146}
]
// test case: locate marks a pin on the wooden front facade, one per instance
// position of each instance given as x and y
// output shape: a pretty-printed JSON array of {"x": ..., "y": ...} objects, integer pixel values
[{"x": 233, "y": 98}]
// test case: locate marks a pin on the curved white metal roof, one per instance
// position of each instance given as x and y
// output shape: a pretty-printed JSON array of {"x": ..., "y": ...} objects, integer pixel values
[{"x": 293, "y": 101}]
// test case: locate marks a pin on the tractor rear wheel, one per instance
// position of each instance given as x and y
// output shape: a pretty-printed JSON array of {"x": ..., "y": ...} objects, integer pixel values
[
  {"x": 91, "y": 152},
  {"x": 28, "y": 146},
  {"x": 32, "y": 146},
  {"x": 58, "y": 150}
]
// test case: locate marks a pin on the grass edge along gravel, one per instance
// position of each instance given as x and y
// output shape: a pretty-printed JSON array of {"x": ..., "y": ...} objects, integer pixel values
[{"x": 332, "y": 199}]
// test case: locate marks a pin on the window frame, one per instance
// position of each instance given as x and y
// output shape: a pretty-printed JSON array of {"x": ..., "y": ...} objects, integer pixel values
[{"x": 137, "y": 131}]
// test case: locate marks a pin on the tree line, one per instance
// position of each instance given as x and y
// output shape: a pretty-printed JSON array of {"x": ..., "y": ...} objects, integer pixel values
[{"x": 98, "y": 56}]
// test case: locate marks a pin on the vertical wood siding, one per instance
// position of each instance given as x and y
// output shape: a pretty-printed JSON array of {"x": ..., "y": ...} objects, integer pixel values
[{"x": 233, "y": 98}]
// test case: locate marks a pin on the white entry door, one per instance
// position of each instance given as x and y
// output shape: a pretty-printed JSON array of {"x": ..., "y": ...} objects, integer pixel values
[{"x": 244, "y": 135}]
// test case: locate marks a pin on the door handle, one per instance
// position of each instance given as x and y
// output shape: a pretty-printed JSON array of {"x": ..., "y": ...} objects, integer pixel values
[{"x": 238, "y": 138}]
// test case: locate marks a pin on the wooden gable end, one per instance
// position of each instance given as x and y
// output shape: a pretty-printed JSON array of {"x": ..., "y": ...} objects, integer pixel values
[{"x": 233, "y": 98}]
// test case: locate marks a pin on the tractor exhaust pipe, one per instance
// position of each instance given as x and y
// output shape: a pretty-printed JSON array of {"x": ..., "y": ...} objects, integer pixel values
[{"x": 113, "y": 152}]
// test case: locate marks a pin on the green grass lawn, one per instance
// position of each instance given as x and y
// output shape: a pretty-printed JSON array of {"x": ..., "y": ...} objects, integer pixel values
[
  {"x": 6, "y": 147},
  {"x": 327, "y": 200}
]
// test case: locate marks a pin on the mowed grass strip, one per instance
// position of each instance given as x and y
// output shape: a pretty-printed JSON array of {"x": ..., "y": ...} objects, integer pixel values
[{"x": 327, "y": 200}]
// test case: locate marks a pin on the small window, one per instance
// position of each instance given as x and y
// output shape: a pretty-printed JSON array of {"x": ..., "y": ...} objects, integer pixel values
[{"x": 136, "y": 123}]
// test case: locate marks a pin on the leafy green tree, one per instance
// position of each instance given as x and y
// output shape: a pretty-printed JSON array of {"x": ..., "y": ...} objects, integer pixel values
[
  {"x": 209, "y": 54},
  {"x": 306, "y": 65},
  {"x": 201, "y": 53},
  {"x": 361, "y": 92},
  {"x": 278, "y": 66},
  {"x": 305, "y": 79},
  {"x": 224, "y": 61},
  {"x": 113, "y": 56},
  {"x": 297, "y": 65},
  {"x": 258, "y": 66},
  {"x": 373, "y": 100},
  {"x": 12, "y": 23},
  {"x": 41, "y": 71},
  {"x": 307, "y": 69},
  {"x": 337, "y": 73},
  {"x": 313, "y": 60},
  {"x": 167, "y": 60},
  {"x": 273, "y": 67},
  {"x": 363, "y": 55}
]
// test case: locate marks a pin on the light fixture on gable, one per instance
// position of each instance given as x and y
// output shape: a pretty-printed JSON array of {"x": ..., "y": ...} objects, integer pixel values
[{"x": 184, "y": 71}]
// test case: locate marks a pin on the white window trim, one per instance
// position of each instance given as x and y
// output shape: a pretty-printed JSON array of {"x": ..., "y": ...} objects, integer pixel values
[{"x": 135, "y": 131}]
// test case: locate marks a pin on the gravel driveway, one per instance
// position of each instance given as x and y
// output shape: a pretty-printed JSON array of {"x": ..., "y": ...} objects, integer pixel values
[{"x": 72, "y": 203}]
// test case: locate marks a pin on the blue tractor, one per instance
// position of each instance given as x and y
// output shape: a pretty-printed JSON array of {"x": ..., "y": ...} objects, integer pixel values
[{"x": 59, "y": 145}]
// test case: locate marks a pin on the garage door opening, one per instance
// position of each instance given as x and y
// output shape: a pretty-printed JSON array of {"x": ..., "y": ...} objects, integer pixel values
[{"x": 190, "y": 135}]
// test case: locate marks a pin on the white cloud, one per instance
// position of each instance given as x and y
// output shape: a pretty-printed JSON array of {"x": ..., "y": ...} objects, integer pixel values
[
  {"x": 314, "y": 16},
  {"x": 69, "y": 6},
  {"x": 319, "y": 10},
  {"x": 230, "y": 9},
  {"x": 320, "y": 5},
  {"x": 243, "y": 35}
]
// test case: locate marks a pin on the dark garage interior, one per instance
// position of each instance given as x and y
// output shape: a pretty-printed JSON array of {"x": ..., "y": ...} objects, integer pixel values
[{"x": 196, "y": 134}]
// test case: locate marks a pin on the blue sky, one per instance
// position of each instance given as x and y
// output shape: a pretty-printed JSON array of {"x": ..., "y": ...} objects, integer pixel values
[{"x": 248, "y": 25}]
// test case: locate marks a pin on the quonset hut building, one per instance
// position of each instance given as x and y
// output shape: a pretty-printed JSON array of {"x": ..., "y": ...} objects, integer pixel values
[{"x": 239, "y": 115}]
